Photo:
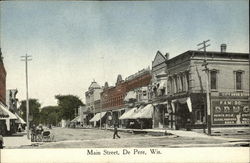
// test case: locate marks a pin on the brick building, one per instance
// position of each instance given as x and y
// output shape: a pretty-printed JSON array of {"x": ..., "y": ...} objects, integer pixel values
[
  {"x": 2, "y": 80},
  {"x": 112, "y": 98},
  {"x": 228, "y": 84}
]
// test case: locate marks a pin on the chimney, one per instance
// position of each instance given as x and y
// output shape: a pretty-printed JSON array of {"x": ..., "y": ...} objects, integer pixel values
[
  {"x": 167, "y": 56},
  {"x": 223, "y": 48}
]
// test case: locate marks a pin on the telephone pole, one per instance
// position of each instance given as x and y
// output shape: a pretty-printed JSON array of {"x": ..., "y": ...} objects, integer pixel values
[
  {"x": 27, "y": 58},
  {"x": 204, "y": 46}
]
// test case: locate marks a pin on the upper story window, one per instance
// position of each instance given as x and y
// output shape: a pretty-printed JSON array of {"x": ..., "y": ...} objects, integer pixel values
[
  {"x": 213, "y": 79},
  {"x": 187, "y": 80},
  {"x": 238, "y": 80}
]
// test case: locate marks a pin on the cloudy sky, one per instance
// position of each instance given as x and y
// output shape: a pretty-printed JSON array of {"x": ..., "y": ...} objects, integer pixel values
[{"x": 72, "y": 43}]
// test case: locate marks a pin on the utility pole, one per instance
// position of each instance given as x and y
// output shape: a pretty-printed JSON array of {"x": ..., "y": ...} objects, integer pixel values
[
  {"x": 204, "y": 46},
  {"x": 27, "y": 58}
]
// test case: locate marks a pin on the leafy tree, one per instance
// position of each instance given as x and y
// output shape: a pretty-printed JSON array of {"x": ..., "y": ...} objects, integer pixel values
[
  {"x": 50, "y": 115},
  {"x": 34, "y": 108},
  {"x": 68, "y": 105}
]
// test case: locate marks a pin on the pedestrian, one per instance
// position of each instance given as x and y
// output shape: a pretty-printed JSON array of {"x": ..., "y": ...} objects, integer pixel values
[{"x": 115, "y": 131}]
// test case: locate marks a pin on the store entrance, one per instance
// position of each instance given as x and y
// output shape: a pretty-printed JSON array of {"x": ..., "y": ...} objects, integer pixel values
[{"x": 183, "y": 116}]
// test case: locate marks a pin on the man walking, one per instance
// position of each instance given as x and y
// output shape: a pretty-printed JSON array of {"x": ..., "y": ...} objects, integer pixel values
[{"x": 115, "y": 131}]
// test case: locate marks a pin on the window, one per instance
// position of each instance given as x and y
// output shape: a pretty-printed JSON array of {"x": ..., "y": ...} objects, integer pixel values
[
  {"x": 182, "y": 85},
  {"x": 213, "y": 79},
  {"x": 238, "y": 80},
  {"x": 176, "y": 84},
  {"x": 187, "y": 79}
]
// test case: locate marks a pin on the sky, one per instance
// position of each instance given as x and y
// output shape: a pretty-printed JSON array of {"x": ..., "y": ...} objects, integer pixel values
[{"x": 73, "y": 43}]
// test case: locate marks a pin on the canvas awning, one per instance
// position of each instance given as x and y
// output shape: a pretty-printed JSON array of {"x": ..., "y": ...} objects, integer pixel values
[
  {"x": 3, "y": 114},
  {"x": 11, "y": 115},
  {"x": 186, "y": 100},
  {"x": 19, "y": 119},
  {"x": 98, "y": 116},
  {"x": 145, "y": 112},
  {"x": 76, "y": 119},
  {"x": 129, "y": 114},
  {"x": 130, "y": 95}
]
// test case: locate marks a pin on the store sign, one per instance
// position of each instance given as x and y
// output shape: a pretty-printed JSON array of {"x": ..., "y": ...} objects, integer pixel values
[{"x": 230, "y": 111}]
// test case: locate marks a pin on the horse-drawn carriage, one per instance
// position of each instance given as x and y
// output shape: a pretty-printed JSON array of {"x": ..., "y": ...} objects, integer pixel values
[{"x": 38, "y": 135}]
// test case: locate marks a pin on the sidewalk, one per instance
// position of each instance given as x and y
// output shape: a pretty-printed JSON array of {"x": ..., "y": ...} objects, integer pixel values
[
  {"x": 192, "y": 134},
  {"x": 16, "y": 140},
  {"x": 161, "y": 132}
]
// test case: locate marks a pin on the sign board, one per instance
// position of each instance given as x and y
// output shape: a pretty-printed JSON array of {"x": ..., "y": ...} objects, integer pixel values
[{"x": 230, "y": 111}]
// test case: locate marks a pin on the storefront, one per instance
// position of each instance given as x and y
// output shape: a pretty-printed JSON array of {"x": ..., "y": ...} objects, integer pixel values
[
  {"x": 8, "y": 123},
  {"x": 187, "y": 111}
]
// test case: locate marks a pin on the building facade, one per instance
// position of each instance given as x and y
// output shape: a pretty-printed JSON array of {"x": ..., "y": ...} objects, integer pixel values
[
  {"x": 113, "y": 98},
  {"x": 228, "y": 80},
  {"x": 93, "y": 98},
  {"x": 158, "y": 90}
]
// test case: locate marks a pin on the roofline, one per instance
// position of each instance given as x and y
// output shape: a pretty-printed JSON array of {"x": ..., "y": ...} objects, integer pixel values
[{"x": 190, "y": 52}]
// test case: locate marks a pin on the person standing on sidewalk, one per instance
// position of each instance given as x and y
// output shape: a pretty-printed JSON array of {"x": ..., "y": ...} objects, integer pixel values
[{"x": 116, "y": 131}]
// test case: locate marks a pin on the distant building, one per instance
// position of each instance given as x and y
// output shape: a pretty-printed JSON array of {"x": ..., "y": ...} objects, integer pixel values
[
  {"x": 93, "y": 101},
  {"x": 93, "y": 98}
]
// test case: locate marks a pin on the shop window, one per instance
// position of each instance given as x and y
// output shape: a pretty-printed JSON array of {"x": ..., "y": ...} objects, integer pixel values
[
  {"x": 238, "y": 81},
  {"x": 213, "y": 79}
]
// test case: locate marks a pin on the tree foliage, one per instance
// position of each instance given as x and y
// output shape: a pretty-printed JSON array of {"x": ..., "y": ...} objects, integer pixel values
[
  {"x": 68, "y": 105},
  {"x": 50, "y": 115},
  {"x": 34, "y": 108}
]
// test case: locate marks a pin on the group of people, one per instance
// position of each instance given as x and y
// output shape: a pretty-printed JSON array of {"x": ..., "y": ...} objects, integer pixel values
[{"x": 36, "y": 132}]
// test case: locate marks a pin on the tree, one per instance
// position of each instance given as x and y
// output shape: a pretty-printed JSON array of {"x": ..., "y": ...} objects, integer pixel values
[
  {"x": 50, "y": 115},
  {"x": 34, "y": 107},
  {"x": 68, "y": 105}
]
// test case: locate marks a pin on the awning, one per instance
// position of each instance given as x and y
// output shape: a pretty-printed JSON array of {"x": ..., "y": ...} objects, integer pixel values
[
  {"x": 3, "y": 114},
  {"x": 130, "y": 95},
  {"x": 98, "y": 116},
  {"x": 146, "y": 112},
  {"x": 76, "y": 119},
  {"x": 189, "y": 104},
  {"x": 183, "y": 101},
  {"x": 11, "y": 115},
  {"x": 19, "y": 119},
  {"x": 128, "y": 114}
]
